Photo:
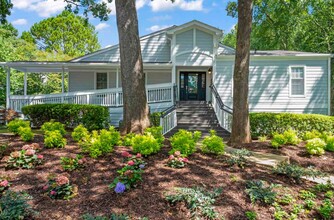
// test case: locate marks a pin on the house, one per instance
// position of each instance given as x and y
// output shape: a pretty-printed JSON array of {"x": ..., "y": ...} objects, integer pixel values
[{"x": 187, "y": 62}]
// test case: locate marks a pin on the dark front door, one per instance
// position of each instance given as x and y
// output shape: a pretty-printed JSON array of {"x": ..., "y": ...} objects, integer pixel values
[{"x": 192, "y": 85}]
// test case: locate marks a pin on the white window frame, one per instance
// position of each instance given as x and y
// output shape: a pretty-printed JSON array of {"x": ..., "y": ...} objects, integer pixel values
[
  {"x": 290, "y": 84},
  {"x": 95, "y": 79}
]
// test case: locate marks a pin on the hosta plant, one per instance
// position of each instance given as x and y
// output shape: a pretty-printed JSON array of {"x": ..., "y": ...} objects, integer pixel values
[
  {"x": 54, "y": 139},
  {"x": 73, "y": 163},
  {"x": 185, "y": 142},
  {"x": 4, "y": 185},
  {"x": 60, "y": 188},
  {"x": 238, "y": 157},
  {"x": 213, "y": 144},
  {"x": 260, "y": 191},
  {"x": 176, "y": 160},
  {"x": 27, "y": 158},
  {"x": 316, "y": 146}
]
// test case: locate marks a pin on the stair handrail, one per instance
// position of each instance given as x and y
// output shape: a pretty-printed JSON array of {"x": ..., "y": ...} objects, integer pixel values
[
  {"x": 221, "y": 104},
  {"x": 168, "y": 119}
]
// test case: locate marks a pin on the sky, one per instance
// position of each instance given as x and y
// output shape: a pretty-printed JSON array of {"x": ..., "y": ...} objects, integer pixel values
[{"x": 152, "y": 15}]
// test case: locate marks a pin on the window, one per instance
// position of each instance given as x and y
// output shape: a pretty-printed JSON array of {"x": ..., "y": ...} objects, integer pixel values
[
  {"x": 101, "y": 80},
  {"x": 297, "y": 81}
]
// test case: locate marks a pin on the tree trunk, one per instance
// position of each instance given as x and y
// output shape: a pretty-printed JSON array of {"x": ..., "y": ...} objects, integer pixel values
[
  {"x": 135, "y": 107},
  {"x": 241, "y": 127}
]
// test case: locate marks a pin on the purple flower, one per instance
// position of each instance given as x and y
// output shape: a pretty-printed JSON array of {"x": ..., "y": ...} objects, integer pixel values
[
  {"x": 142, "y": 166},
  {"x": 120, "y": 187}
]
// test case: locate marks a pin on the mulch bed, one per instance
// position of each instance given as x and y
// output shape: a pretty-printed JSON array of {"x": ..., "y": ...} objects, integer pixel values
[
  {"x": 148, "y": 199},
  {"x": 297, "y": 154}
]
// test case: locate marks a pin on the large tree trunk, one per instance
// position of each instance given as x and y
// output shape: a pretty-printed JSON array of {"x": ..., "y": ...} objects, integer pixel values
[
  {"x": 135, "y": 107},
  {"x": 240, "y": 127}
]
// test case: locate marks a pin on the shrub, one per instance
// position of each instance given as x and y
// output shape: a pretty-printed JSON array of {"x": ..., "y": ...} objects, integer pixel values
[
  {"x": 79, "y": 133},
  {"x": 4, "y": 185},
  {"x": 278, "y": 140},
  {"x": 329, "y": 194},
  {"x": 321, "y": 187},
  {"x": 53, "y": 126},
  {"x": 155, "y": 119},
  {"x": 285, "y": 199},
  {"x": 305, "y": 194},
  {"x": 330, "y": 143},
  {"x": 315, "y": 146},
  {"x": 270, "y": 123},
  {"x": 199, "y": 201},
  {"x": 263, "y": 138},
  {"x": 145, "y": 144},
  {"x": 3, "y": 149},
  {"x": 295, "y": 172},
  {"x": 258, "y": 191},
  {"x": 93, "y": 117},
  {"x": 14, "y": 205},
  {"x": 157, "y": 133},
  {"x": 127, "y": 139},
  {"x": 213, "y": 144},
  {"x": 326, "y": 209},
  {"x": 185, "y": 142},
  {"x": 291, "y": 137},
  {"x": 26, "y": 134},
  {"x": 70, "y": 164},
  {"x": 311, "y": 135},
  {"x": 54, "y": 139},
  {"x": 176, "y": 160},
  {"x": 238, "y": 157},
  {"x": 250, "y": 215},
  {"x": 14, "y": 125},
  {"x": 60, "y": 188},
  {"x": 26, "y": 158},
  {"x": 112, "y": 217}
]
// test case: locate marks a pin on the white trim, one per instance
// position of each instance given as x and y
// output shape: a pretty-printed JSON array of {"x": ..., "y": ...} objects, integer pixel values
[
  {"x": 272, "y": 57},
  {"x": 8, "y": 89},
  {"x": 290, "y": 88},
  {"x": 25, "y": 84},
  {"x": 198, "y": 24},
  {"x": 232, "y": 81},
  {"x": 329, "y": 85},
  {"x": 95, "y": 79},
  {"x": 194, "y": 38},
  {"x": 196, "y": 52},
  {"x": 117, "y": 79}
]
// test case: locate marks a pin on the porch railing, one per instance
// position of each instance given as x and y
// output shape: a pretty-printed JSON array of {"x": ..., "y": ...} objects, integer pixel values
[
  {"x": 106, "y": 97},
  {"x": 168, "y": 119},
  {"x": 224, "y": 113}
]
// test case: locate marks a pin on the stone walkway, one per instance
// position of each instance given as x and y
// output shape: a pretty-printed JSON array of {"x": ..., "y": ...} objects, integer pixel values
[{"x": 272, "y": 160}]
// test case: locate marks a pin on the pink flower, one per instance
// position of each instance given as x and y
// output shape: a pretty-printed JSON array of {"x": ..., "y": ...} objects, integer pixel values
[
  {"x": 185, "y": 160},
  {"x": 45, "y": 187},
  {"x": 131, "y": 163},
  {"x": 180, "y": 159},
  {"x": 62, "y": 180},
  {"x": 53, "y": 192},
  {"x": 138, "y": 155},
  {"x": 40, "y": 156},
  {"x": 15, "y": 154},
  {"x": 177, "y": 153},
  {"x": 126, "y": 154},
  {"x": 4, "y": 183},
  {"x": 30, "y": 152},
  {"x": 26, "y": 147},
  {"x": 171, "y": 157}
]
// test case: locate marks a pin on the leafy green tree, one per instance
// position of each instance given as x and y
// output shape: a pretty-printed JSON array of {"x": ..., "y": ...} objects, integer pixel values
[
  {"x": 230, "y": 39},
  {"x": 5, "y": 7}
]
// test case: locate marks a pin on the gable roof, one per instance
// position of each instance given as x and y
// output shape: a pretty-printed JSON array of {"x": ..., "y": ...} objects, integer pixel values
[{"x": 196, "y": 23}]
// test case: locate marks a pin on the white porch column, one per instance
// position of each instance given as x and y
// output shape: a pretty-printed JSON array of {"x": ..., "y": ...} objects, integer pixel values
[
  {"x": 117, "y": 78},
  {"x": 174, "y": 83},
  {"x": 117, "y": 85},
  {"x": 62, "y": 84},
  {"x": 8, "y": 88},
  {"x": 25, "y": 84}
]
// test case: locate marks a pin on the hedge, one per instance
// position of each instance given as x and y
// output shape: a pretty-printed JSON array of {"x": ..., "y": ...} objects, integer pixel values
[
  {"x": 93, "y": 117},
  {"x": 265, "y": 124}
]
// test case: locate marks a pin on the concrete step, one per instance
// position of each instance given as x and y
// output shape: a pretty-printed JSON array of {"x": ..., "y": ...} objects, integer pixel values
[
  {"x": 195, "y": 121},
  {"x": 183, "y": 103},
  {"x": 194, "y": 114}
]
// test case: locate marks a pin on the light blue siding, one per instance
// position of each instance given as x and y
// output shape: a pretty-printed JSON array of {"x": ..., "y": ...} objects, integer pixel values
[
  {"x": 269, "y": 86},
  {"x": 184, "y": 41},
  {"x": 80, "y": 81},
  {"x": 204, "y": 41}
]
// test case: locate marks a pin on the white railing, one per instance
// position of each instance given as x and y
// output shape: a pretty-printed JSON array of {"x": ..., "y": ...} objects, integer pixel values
[
  {"x": 106, "y": 97},
  {"x": 224, "y": 113},
  {"x": 168, "y": 120}
]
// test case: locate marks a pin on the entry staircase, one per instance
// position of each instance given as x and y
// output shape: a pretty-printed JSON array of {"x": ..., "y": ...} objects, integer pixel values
[{"x": 197, "y": 116}]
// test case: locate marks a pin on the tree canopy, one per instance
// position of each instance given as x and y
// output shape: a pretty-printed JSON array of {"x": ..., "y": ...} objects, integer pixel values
[{"x": 5, "y": 7}]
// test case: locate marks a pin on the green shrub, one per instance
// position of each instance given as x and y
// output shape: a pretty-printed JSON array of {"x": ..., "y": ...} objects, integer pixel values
[
  {"x": 329, "y": 194},
  {"x": 311, "y": 135},
  {"x": 316, "y": 146},
  {"x": 291, "y": 137},
  {"x": 26, "y": 134},
  {"x": 213, "y": 144},
  {"x": 270, "y": 123},
  {"x": 263, "y": 138},
  {"x": 238, "y": 157},
  {"x": 54, "y": 139},
  {"x": 185, "y": 142},
  {"x": 155, "y": 119},
  {"x": 278, "y": 140},
  {"x": 330, "y": 143},
  {"x": 14, "y": 125},
  {"x": 79, "y": 133},
  {"x": 53, "y": 126},
  {"x": 127, "y": 139},
  {"x": 251, "y": 215},
  {"x": 14, "y": 205},
  {"x": 258, "y": 190},
  {"x": 326, "y": 209},
  {"x": 157, "y": 133},
  {"x": 93, "y": 117},
  {"x": 145, "y": 144}
]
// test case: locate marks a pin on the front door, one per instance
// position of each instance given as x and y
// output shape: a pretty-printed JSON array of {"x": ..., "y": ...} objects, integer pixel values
[{"x": 192, "y": 85}]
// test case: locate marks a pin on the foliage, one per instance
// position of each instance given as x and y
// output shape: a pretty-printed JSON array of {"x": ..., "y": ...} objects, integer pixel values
[
  {"x": 73, "y": 163},
  {"x": 5, "y": 8},
  {"x": 4, "y": 185},
  {"x": 155, "y": 119},
  {"x": 176, "y": 160},
  {"x": 93, "y": 117},
  {"x": 258, "y": 191},
  {"x": 311, "y": 135},
  {"x": 53, "y": 139},
  {"x": 134, "y": 160},
  {"x": 112, "y": 217},
  {"x": 305, "y": 194},
  {"x": 330, "y": 143},
  {"x": 316, "y": 146},
  {"x": 285, "y": 199},
  {"x": 326, "y": 209},
  {"x": 185, "y": 142},
  {"x": 199, "y": 201},
  {"x": 295, "y": 171},
  {"x": 59, "y": 188},
  {"x": 14, "y": 125},
  {"x": 329, "y": 194},
  {"x": 263, "y": 138},
  {"x": 213, "y": 144},
  {"x": 79, "y": 133},
  {"x": 157, "y": 133},
  {"x": 238, "y": 157},
  {"x": 278, "y": 140},
  {"x": 53, "y": 126},
  {"x": 291, "y": 137},
  {"x": 10, "y": 114},
  {"x": 309, "y": 204},
  {"x": 3, "y": 149},
  {"x": 26, "y": 133},
  {"x": 145, "y": 144},
  {"x": 127, "y": 139},
  {"x": 251, "y": 215},
  {"x": 14, "y": 205},
  {"x": 27, "y": 158},
  {"x": 270, "y": 123},
  {"x": 321, "y": 187}
]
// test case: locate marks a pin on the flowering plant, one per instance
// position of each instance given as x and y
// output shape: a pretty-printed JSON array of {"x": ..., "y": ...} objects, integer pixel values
[
  {"x": 134, "y": 160},
  {"x": 73, "y": 163},
  {"x": 176, "y": 160},
  {"x": 4, "y": 185},
  {"x": 27, "y": 158},
  {"x": 59, "y": 188}
]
